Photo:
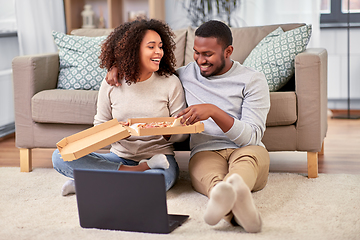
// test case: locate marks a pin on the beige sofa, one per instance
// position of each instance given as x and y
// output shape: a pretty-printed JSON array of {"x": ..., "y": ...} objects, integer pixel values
[{"x": 297, "y": 119}]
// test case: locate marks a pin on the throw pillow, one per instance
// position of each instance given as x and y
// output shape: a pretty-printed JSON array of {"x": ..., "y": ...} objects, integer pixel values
[
  {"x": 79, "y": 61},
  {"x": 275, "y": 54}
]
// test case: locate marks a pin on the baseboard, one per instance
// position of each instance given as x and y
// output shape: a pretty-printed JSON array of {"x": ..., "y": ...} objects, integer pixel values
[
  {"x": 343, "y": 104},
  {"x": 7, "y": 129}
]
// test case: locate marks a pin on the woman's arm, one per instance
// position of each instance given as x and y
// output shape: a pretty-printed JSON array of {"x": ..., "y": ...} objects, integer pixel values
[{"x": 103, "y": 108}]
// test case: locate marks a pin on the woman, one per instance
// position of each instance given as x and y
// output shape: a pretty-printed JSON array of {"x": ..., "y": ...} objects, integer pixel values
[{"x": 142, "y": 51}]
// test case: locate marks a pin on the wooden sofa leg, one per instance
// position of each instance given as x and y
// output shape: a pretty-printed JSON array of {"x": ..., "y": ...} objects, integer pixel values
[
  {"x": 312, "y": 162},
  {"x": 25, "y": 160}
]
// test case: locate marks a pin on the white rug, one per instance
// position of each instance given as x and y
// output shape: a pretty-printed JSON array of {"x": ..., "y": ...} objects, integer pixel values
[{"x": 292, "y": 207}]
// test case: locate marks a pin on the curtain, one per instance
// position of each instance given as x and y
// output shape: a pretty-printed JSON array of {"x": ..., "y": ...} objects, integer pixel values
[{"x": 35, "y": 21}]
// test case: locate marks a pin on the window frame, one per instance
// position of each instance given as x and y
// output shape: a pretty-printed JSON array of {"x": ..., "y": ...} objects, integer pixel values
[{"x": 338, "y": 19}]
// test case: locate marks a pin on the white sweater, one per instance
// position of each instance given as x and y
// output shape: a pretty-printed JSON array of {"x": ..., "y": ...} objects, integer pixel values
[
  {"x": 158, "y": 96},
  {"x": 241, "y": 92}
]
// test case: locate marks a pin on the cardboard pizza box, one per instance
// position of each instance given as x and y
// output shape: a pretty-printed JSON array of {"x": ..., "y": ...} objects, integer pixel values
[
  {"x": 186, "y": 129},
  {"x": 102, "y": 135},
  {"x": 92, "y": 139}
]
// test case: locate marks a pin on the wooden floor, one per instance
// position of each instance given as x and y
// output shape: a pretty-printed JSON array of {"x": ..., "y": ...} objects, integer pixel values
[{"x": 341, "y": 152}]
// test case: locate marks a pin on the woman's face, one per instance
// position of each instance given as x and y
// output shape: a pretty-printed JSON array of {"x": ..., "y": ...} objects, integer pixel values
[{"x": 151, "y": 52}]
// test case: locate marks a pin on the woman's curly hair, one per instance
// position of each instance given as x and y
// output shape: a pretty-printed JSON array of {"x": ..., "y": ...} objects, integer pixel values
[{"x": 121, "y": 49}]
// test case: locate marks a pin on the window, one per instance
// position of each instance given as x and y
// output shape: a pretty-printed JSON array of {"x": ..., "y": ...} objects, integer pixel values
[
  {"x": 7, "y": 18},
  {"x": 334, "y": 13}
]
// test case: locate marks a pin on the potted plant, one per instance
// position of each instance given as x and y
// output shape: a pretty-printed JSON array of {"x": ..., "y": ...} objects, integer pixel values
[{"x": 200, "y": 11}]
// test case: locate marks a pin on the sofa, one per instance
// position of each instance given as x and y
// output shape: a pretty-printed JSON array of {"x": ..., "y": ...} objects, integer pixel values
[{"x": 297, "y": 120}]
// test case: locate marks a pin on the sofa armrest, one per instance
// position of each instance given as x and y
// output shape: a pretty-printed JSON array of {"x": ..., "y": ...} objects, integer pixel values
[
  {"x": 311, "y": 92},
  {"x": 31, "y": 74}
]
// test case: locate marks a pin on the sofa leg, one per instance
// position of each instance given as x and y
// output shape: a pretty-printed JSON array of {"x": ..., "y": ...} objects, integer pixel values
[
  {"x": 312, "y": 162},
  {"x": 322, "y": 149},
  {"x": 25, "y": 160}
]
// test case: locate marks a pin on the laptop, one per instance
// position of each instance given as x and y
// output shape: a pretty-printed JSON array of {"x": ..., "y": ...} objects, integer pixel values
[{"x": 123, "y": 200}]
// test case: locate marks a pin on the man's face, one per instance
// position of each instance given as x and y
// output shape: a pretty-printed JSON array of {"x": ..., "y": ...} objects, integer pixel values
[{"x": 209, "y": 55}]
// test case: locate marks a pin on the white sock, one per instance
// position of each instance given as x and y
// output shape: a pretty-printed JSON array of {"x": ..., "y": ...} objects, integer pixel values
[
  {"x": 244, "y": 210},
  {"x": 157, "y": 161},
  {"x": 68, "y": 188},
  {"x": 221, "y": 201}
]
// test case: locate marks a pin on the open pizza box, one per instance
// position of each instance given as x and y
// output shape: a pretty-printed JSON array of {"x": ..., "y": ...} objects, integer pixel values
[
  {"x": 102, "y": 135},
  {"x": 91, "y": 139}
]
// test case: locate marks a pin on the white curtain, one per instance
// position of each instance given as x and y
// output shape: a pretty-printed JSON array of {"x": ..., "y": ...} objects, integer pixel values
[
  {"x": 35, "y": 21},
  {"x": 259, "y": 12}
]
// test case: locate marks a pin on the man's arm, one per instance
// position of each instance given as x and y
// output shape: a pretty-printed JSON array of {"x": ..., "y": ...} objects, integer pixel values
[
  {"x": 200, "y": 112},
  {"x": 112, "y": 77}
]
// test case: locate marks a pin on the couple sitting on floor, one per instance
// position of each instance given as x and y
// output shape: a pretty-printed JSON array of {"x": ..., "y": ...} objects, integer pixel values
[{"x": 228, "y": 159}]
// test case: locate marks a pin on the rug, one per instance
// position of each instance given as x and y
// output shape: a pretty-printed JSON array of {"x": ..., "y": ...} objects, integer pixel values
[{"x": 291, "y": 205}]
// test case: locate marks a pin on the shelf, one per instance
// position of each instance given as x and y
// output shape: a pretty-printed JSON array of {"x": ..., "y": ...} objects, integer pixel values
[{"x": 115, "y": 8}]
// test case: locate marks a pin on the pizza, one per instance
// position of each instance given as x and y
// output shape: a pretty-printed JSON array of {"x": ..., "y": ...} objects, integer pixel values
[
  {"x": 176, "y": 123},
  {"x": 154, "y": 125}
]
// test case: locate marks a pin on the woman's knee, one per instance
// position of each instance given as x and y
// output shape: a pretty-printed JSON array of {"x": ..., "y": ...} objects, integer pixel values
[{"x": 56, "y": 158}]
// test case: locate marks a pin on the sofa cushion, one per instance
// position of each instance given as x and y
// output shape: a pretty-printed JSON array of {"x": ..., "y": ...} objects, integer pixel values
[
  {"x": 282, "y": 109},
  {"x": 79, "y": 107},
  {"x": 79, "y": 61},
  {"x": 64, "y": 106},
  {"x": 245, "y": 39},
  {"x": 275, "y": 54},
  {"x": 180, "y": 41}
]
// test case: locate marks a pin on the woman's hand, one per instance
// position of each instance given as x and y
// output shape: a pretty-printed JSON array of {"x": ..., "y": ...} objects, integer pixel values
[{"x": 124, "y": 123}]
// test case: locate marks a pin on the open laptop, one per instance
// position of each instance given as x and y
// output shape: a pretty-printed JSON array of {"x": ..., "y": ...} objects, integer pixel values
[{"x": 122, "y": 200}]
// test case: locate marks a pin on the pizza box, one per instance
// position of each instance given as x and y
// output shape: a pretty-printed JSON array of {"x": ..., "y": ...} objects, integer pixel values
[
  {"x": 92, "y": 139},
  {"x": 102, "y": 135},
  {"x": 184, "y": 129}
]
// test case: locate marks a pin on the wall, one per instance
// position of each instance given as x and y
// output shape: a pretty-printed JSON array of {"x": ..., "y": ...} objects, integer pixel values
[
  {"x": 335, "y": 41},
  {"x": 9, "y": 49}
]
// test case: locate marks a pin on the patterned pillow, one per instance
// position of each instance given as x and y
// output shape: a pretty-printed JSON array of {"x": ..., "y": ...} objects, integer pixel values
[
  {"x": 275, "y": 54},
  {"x": 79, "y": 61}
]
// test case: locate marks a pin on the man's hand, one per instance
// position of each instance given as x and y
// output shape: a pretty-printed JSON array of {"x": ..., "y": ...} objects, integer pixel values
[
  {"x": 200, "y": 112},
  {"x": 112, "y": 77},
  {"x": 196, "y": 113}
]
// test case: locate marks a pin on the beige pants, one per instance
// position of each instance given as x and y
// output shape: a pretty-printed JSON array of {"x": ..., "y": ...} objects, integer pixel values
[{"x": 210, "y": 167}]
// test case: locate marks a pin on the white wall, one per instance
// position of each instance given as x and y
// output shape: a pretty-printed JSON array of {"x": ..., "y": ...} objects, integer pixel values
[
  {"x": 335, "y": 41},
  {"x": 8, "y": 50}
]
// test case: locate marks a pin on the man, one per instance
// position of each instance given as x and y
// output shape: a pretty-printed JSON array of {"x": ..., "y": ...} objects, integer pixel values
[{"x": 228, "y": 160}]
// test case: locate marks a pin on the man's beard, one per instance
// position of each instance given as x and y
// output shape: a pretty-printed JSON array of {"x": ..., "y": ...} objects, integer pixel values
[{"x": 217, "y": 70}]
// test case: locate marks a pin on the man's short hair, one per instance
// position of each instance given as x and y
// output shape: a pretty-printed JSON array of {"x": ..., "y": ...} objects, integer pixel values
[{"x": 216, "y": 29}]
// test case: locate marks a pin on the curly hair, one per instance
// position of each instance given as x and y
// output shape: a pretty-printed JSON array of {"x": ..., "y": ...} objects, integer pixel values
[{"x": 121, "y": 49}]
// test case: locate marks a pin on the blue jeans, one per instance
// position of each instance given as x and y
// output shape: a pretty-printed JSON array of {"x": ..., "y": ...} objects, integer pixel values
[{"x": 110, "y": 161}]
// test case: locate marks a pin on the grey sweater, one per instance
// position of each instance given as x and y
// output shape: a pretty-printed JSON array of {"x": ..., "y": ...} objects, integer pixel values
[{"x": 241, "y": 92}]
